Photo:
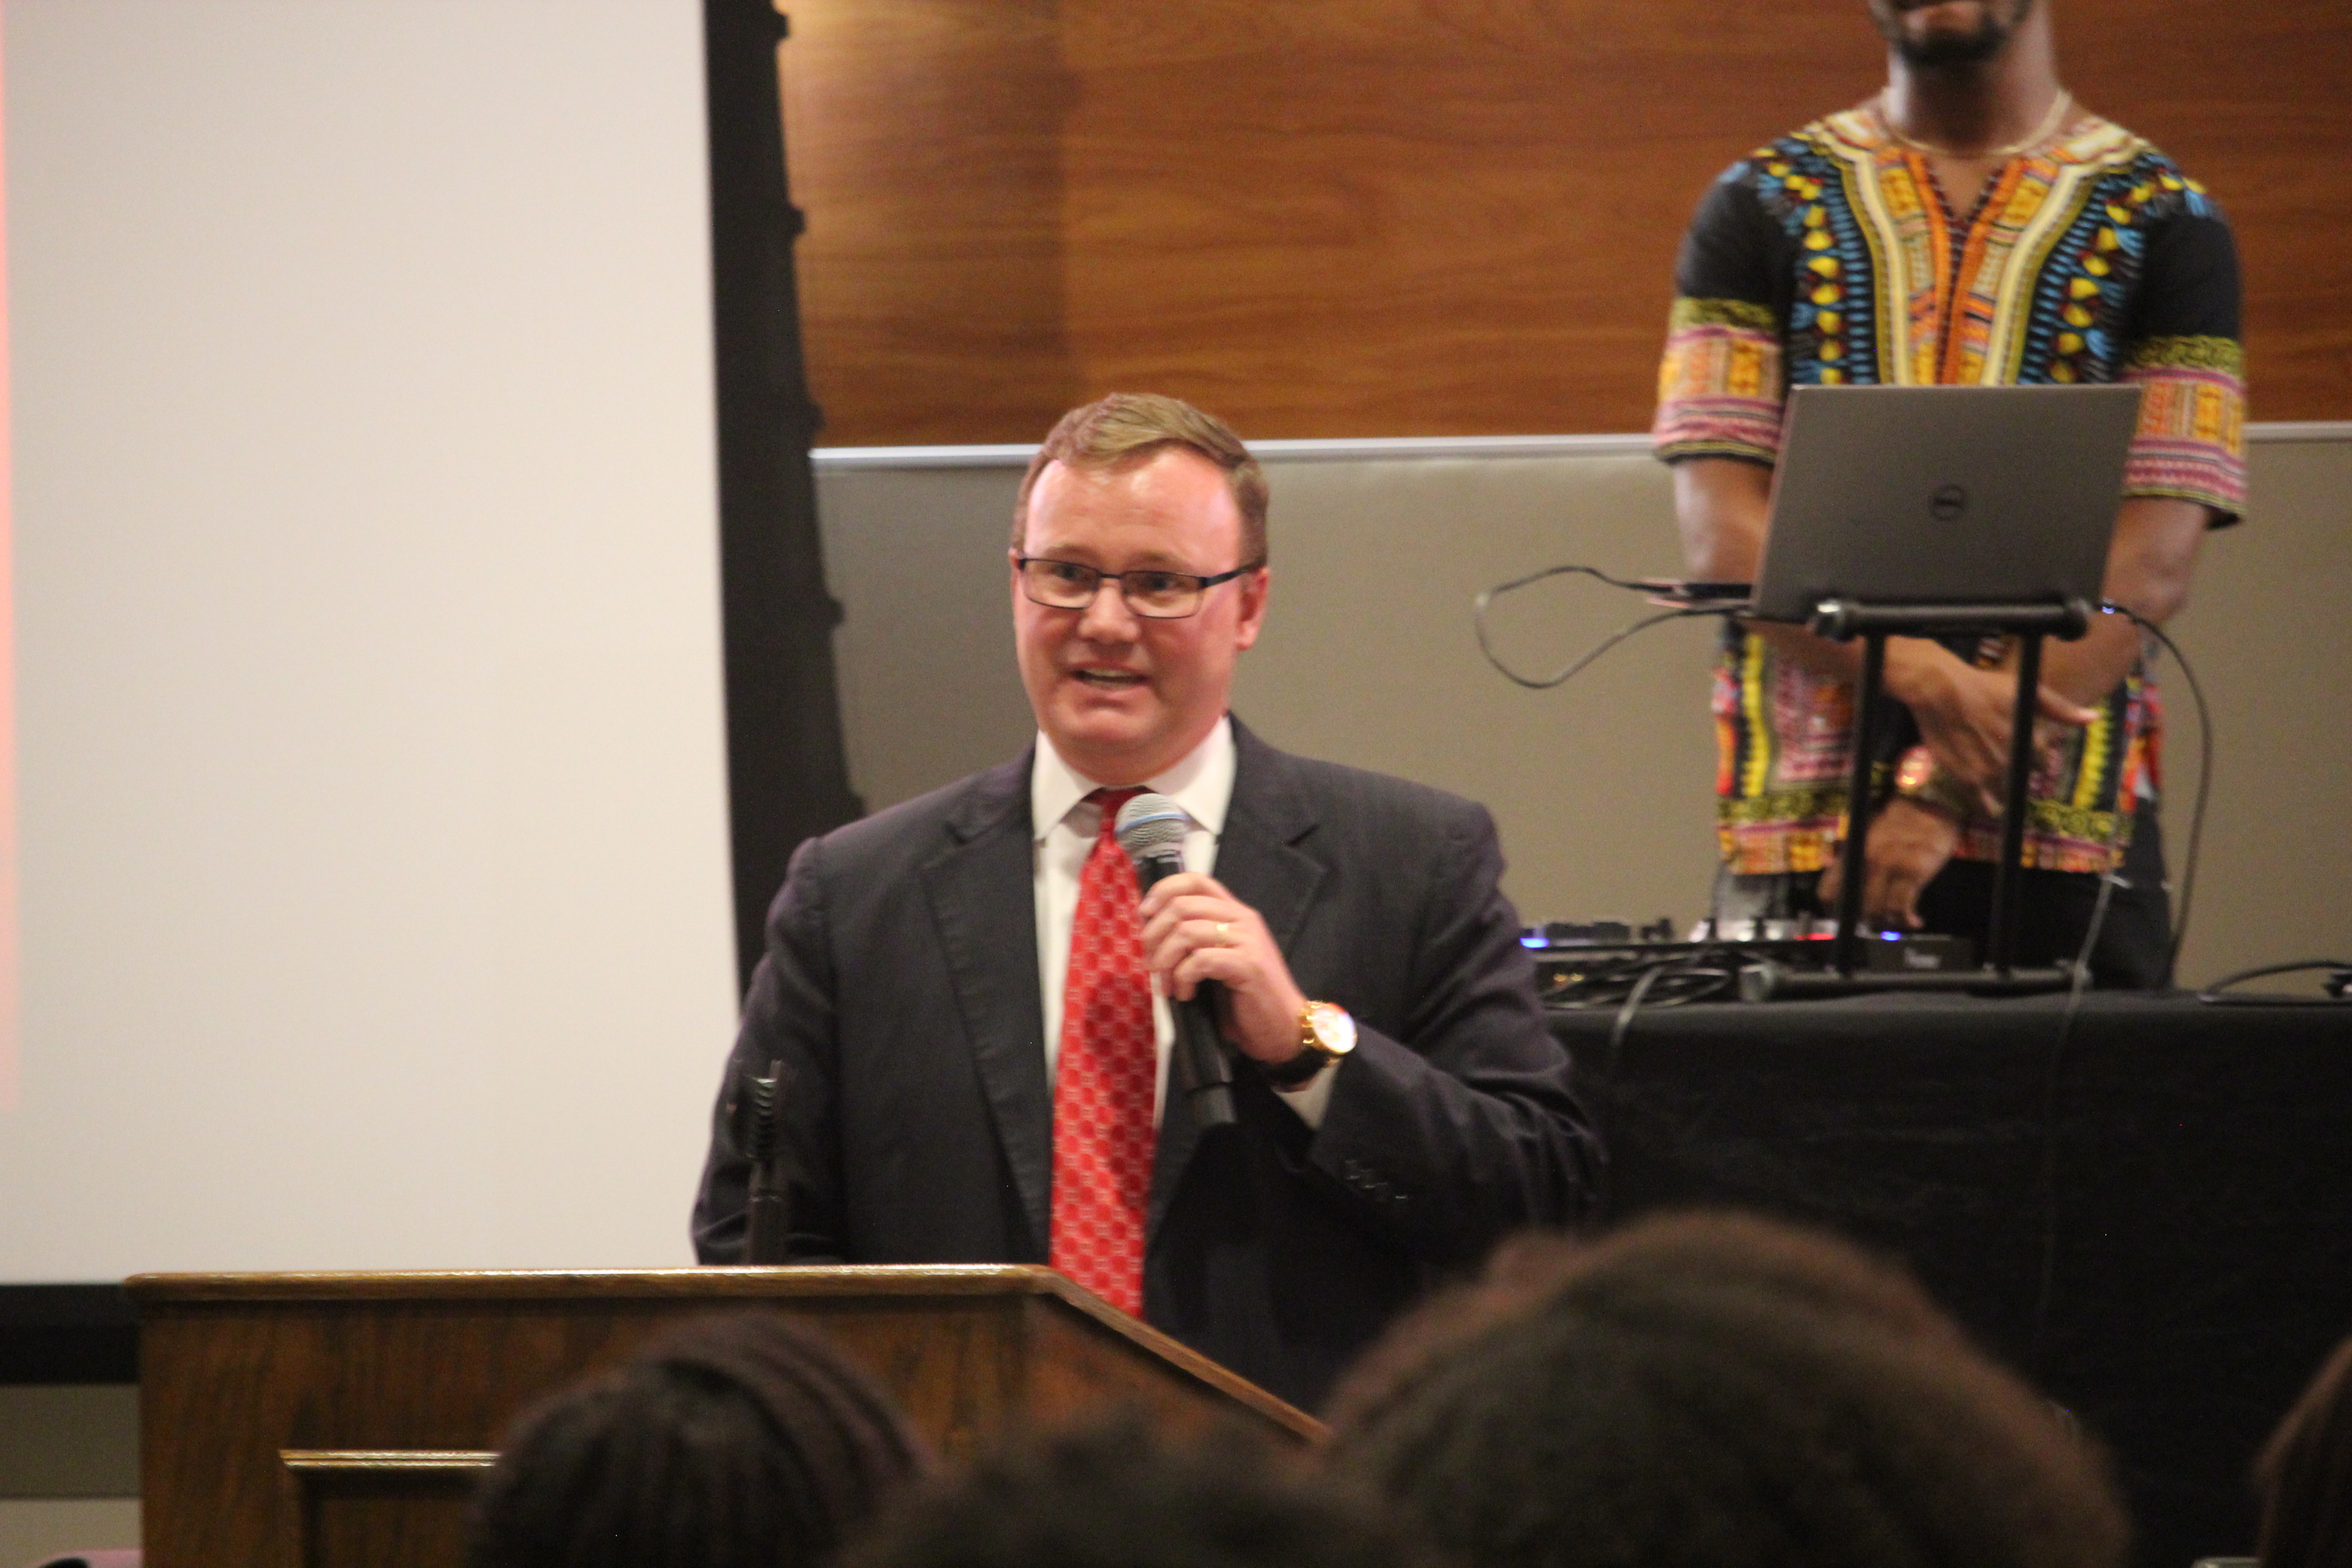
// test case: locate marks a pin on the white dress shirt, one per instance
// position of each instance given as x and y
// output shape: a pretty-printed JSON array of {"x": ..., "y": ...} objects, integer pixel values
[{"x": 1066, "y": 825}]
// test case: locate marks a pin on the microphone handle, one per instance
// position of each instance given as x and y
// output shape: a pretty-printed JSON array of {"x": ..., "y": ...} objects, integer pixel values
[
  {"x": 1203, "y": 1072},
  {"x": 1207, "y": 1076}
]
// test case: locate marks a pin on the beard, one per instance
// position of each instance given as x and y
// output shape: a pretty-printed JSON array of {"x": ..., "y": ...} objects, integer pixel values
[{"x": 1998, "y": 24}]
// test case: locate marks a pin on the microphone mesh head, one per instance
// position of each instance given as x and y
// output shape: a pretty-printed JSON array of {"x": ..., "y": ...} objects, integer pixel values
[{"x": 1151, "y": 824}]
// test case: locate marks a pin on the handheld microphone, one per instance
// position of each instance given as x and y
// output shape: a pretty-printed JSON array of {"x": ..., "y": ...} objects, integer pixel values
[{"x": 1152, "y": 829}]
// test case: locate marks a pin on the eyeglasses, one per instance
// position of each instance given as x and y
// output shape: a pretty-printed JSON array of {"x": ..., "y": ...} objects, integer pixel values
[{"x": 1158, "y": 595}]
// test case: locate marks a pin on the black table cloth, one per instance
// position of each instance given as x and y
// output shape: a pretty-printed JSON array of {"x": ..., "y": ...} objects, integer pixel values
[{"x": 2155, "y": 1225}]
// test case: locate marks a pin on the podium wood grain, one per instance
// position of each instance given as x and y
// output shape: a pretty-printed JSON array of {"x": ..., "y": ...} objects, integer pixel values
[{"x": 341, "y": 1420}]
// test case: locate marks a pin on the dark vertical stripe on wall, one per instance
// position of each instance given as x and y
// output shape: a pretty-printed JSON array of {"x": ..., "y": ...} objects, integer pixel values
[{"x": 788, "y": 778}]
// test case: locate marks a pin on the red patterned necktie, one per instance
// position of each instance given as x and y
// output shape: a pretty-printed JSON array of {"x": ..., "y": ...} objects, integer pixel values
[{"x": 1104, "y": 1080}]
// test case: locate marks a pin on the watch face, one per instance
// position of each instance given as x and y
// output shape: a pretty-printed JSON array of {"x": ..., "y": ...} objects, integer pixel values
[{"x": 1335, "y": 1031}]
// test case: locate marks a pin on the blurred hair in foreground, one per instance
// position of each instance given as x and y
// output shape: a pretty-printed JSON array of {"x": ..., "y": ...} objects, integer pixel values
[
  {"x": 1113, "y": 1497},
  {"x": 730, "y": 1442},
  {"x": 1714, "y": 1392},
  {"x": 2305, "y": 1475}
]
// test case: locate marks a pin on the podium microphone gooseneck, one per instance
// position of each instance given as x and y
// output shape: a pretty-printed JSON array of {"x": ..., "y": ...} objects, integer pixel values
[
  {"x": 1152, "y": 829},
  {"x": 755, "y": 1108}
]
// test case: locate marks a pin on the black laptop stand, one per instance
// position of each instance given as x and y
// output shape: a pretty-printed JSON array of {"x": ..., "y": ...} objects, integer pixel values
[{"x": 1842, "y": 620}]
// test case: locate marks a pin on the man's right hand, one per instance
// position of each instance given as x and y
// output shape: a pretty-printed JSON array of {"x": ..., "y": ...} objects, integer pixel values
[{"x": 1964, "y": 712}]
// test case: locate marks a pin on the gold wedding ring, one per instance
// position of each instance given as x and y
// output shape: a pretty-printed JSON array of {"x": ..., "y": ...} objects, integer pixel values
[{"x": 1224, "y": 933}]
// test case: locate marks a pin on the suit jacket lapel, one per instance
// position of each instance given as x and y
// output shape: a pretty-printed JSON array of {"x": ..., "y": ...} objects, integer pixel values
[
  {"x": 1260, "y": 862},
  {"x": 982, "y": 897},
  {"x": 1259, "y": 857}
]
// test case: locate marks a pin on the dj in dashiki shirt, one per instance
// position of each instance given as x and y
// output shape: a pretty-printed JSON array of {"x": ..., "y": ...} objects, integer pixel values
[{"x": 1830, "y": 257}]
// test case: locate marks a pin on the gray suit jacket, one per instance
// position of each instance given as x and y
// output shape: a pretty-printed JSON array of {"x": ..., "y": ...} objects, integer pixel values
[{"x": 900, "y": 989}]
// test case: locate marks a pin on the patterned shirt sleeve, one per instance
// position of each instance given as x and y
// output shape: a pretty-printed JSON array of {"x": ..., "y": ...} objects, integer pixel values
[
  {"x": 2182, "y": 346},
  {"x": 1722, "y": 383}
]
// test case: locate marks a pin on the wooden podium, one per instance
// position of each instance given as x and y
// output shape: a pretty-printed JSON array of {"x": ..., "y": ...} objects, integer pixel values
[{"x": 341, "y": 1420}]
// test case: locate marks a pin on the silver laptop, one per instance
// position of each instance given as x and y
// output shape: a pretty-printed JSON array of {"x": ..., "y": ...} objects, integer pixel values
[{"x": 1944, "y": 495}]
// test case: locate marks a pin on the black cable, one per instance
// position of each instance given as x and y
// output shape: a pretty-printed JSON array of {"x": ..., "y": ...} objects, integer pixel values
[
  {"x": 2338, "y": 985},
  {"x": 1532, "y": 578},
  {"x": 1653, "y": 972},
  {"x": 1486, "y": 644},
  {"x": 1603, "y": 981},
  {"x": 1605, "y": 1100},
  {"x": 2046, "y": 1280},
  {"x": 2079, "y": 983}
]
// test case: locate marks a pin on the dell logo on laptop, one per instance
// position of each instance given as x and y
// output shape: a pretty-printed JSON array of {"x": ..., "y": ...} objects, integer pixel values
[{"x": 1946, "y": 504}]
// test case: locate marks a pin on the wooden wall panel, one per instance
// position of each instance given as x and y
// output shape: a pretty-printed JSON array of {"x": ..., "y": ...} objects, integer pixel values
[
  {"x": 2254, "y": 97},
  {"x": 1378, "y": 217},
  {"x": 925, "y": 142}
]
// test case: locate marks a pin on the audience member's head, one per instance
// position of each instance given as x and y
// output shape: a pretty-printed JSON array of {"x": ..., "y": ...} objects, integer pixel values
[
  {"x": 1112, "y": 1498},
  {"x": 2305, "y": 1475},
  {"x": 731, "y": 1442},
  {"x": 1715, "y": 1393}
]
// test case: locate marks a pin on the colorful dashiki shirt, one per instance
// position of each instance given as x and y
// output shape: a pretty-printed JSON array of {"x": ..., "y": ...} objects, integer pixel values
[{"x": 1830, "y": 257}]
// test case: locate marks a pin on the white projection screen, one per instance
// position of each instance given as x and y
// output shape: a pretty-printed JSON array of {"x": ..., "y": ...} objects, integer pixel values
[{"x": 368, "y": 761}]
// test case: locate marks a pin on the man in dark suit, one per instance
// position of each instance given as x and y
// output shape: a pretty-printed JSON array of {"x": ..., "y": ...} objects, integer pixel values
[{"x": 969, "y": 1001}]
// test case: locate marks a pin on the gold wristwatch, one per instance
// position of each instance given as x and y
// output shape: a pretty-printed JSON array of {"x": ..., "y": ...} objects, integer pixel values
[{"x": 1326, "y": 1034}]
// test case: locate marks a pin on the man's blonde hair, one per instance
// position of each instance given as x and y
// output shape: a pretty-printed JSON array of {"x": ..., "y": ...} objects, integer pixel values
[{"x": 1133, "y": 427}]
